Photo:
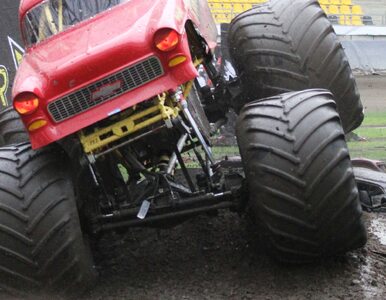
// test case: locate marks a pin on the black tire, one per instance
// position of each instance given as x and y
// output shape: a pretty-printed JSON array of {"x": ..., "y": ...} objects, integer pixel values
[
  {"x": 289, "y": 45},
  {"x": 42, "y": 248},
  {"x": 12, "y": 130},
  {"x": 300, "y": 179}
]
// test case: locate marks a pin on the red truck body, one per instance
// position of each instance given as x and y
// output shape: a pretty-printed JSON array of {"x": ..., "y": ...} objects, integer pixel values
[{"x": 86, "y": 57}]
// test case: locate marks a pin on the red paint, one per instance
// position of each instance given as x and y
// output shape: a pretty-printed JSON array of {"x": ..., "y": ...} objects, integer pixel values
[{"x": 103, "y": 45}]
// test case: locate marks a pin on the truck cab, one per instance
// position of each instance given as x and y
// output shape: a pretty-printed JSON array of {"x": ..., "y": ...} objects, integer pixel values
[{"x": 88, "y": 60}]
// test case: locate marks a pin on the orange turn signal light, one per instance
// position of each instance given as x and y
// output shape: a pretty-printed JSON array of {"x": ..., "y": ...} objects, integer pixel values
[
  {"x": 166, "y": 39},
  {"x": 175, "y": 61},
  {"x": 35, "y": 125},
  {"x": 26, "y": 103}
]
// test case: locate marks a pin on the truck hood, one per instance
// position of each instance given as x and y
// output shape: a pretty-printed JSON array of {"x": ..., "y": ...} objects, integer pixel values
[{"x": 95, "y": 48}]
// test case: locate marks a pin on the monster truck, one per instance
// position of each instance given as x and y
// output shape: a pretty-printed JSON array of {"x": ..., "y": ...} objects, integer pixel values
[{"x": 108, "y": 94}]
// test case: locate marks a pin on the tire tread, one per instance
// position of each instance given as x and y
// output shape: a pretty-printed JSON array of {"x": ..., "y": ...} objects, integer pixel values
[
  {"x": 301, "y": 188},
  {"x": 286, "y": 45},
  {"x": 40, "y": 233},
  {"x": 12, "y": 130}
]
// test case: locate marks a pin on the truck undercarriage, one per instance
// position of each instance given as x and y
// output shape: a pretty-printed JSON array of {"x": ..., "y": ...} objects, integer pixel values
[
  {"x": 112, "y": 140},
  {"x": 141, "y": 184}
]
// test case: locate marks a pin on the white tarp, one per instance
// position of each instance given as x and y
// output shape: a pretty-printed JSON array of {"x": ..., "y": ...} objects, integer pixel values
[
  {"x": 366, "y": 57},
  {"x": 375, "y": 31}
]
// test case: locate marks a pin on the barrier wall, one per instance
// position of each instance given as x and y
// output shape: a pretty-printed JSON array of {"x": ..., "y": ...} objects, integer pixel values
[{"x": 10, "y": 50}]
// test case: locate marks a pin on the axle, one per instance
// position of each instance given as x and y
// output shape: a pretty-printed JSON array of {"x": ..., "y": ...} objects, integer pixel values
[{"x": 181, "y": 208}]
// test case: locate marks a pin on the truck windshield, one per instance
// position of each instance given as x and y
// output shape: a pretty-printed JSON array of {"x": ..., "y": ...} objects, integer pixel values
[{"x": 54, "y": 16}]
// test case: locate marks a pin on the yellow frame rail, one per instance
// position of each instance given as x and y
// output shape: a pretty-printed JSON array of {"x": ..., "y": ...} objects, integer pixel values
[{"x": 125, "y": 127}]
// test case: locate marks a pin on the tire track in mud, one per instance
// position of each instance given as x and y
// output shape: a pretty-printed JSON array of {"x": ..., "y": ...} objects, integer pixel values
[{"x": 219, "y": 258}]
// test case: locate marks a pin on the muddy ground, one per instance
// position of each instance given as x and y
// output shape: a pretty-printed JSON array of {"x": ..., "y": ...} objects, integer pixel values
[
  {"x": 221, "y": 258},
  {"x": 216, "y": 258}
]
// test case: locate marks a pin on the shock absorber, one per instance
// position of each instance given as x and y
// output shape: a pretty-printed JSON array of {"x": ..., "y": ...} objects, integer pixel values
[
  {"x": 163, "y": 163},
  {"x": 179, "y": 96}
]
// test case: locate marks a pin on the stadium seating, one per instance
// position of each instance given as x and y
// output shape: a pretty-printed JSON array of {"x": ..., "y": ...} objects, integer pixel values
[
  {"x": 325, "y": 8},
  {"x": 345, "y": 10},
  {"x": 357, "y": 10},
  {"x": 367, "y": 20},
  {"x": 333, "y": 10},
  {"x": 356, "y": 20},
  {"x": 333, "y": 19},
  {"x": 342, "y": 12},
  {"x": 225, "y": 10}
]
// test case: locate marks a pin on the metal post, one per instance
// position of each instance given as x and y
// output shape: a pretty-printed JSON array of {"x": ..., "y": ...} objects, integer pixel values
[
  {"x": 180, "y": 145},
  {"x": 196, "y": 130}
]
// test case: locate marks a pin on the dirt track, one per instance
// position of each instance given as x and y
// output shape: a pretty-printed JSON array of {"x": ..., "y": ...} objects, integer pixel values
[{"x": 219, "y": 258}]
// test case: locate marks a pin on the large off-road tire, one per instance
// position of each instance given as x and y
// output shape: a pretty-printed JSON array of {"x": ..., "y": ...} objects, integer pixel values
[
  {"x": 301, "y": 183},
  {"x": 12, "y": 130},
  {"x": 289, "y": 45},
  {"x": 42, "y": 248}
]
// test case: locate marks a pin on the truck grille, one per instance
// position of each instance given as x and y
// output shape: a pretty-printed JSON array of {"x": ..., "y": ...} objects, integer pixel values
[{"x": 105, "y": 89}]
